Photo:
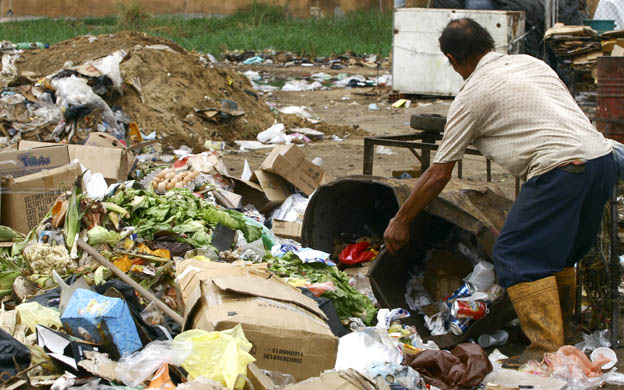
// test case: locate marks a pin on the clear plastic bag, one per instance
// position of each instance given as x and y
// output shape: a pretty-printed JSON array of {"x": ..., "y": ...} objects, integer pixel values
[
  {"x": 136, "y": 368},
  {"x": 482, "y": 276},
  {"x": 599, "y": 338}
]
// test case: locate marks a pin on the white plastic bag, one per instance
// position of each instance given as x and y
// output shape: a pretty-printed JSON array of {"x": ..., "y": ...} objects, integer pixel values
[
  {"x": 109, "y": 67},
  {"x": 75, "y": 91},
  {"x": 275, "y": 134},
  {"x": 136, "y": 368},
  {"x": 360, "y": 350},
  {"x": 482, "y": 276},
  {"x": 293, "y": 209}
]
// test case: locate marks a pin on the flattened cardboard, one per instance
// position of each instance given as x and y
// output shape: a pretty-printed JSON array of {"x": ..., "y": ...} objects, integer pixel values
[
  {"x": 287, "y": 229},
  {"x": 26, "y": 162},
  {"x": 27, "y": 199},
  {"x": 274, "y": 187},
  {"x": 339, "y": 380},
  {"x": 289, "y": 162},
  {"x": 287, "y": 329},
  {"x": 66, "y": 350},
  {"x": 113, "y": 163}
]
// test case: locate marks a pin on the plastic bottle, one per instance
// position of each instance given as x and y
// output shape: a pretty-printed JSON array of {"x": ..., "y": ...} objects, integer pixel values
[{"x": 31, "y": 45}]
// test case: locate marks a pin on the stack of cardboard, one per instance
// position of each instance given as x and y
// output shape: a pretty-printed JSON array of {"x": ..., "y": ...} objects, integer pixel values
[
  {"x": 38, "y": 172},
  {"x": 285, "y": 169},
  {"x": 34, "y": 179}
]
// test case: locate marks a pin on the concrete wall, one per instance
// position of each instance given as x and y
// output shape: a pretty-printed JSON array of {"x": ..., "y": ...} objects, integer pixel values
[{"x": 83, "y": 8}]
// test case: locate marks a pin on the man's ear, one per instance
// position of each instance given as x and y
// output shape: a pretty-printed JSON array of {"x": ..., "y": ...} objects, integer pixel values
[{"x": 451, "y": 59}]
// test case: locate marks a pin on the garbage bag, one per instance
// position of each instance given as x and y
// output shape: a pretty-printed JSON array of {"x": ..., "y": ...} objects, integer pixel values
[
  {"x": 136, "y": 368},
  {"x": 360, "y": 350},
  {"x": 327, "y": 306},
  {"x": 465, "y": 366},
  {"x": 10, "y": 348},
  {"x": 32, "y": 314},
  {"x": 220, "y": 356}
]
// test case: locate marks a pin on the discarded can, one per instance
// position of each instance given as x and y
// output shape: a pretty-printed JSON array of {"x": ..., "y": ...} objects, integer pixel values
[
  {"x": 459, "y": 326},
  {"x": 463, "y": 291},
  {"x": 473, "y": 310}
]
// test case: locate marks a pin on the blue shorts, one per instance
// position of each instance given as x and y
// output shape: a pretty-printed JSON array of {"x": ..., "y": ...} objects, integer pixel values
[{"x": 554, "y": 221}]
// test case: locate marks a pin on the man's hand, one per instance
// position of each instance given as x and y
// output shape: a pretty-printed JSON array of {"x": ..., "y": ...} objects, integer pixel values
[
  {"x": 396, "y": 236},
  {"x": 426, "y": 189}
]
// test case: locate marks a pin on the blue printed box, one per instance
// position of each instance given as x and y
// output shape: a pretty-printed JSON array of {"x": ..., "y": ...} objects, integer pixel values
[
  {"x": 25, "y": 162},
  {"x": 102, "y": 320}
]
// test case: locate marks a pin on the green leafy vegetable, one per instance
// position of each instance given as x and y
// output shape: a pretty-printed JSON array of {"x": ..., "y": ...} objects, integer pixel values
[
  {"x": 348, "y": 301},
  {"x": 99, "y": 235}
]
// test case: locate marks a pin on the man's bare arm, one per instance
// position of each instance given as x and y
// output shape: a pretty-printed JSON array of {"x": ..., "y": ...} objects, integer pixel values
[{"x": 428, "y": 186}]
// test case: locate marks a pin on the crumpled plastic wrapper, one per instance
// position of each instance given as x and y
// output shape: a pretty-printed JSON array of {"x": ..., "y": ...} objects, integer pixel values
[
  {"x": 220, "y": 356},
  {"x": 33, "y": 314}
]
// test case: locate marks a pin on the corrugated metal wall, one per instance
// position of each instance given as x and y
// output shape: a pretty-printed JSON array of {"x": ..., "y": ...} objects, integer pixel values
[{"x": 82, "y": 8}]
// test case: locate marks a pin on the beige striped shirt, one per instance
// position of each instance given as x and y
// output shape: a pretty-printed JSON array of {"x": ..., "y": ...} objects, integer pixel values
[{"x": 516, "y": 111}]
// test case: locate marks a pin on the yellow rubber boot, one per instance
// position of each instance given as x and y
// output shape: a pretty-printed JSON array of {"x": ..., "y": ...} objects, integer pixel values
[
  {"x": 566, "y": 285},
  {"x": 539, "y": 312}
]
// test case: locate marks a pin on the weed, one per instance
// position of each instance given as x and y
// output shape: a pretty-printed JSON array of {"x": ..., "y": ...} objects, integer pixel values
[{"x": 131, "y": 13}]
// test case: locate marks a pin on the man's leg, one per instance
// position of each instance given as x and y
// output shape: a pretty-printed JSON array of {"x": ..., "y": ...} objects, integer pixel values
[
  {"x": 603, "y": 178},
  {"x": 533, "y": 245}
]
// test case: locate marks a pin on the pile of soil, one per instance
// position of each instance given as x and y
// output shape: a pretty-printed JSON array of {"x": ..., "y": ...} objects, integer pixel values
[
  {"x": 169, "y": 90},
  {"x": 164, "y": 87},
  {"x": 80, "y": 49}
]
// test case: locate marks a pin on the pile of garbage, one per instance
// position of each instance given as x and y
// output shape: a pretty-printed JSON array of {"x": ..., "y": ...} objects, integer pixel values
[
  {"x": 285, "y": 58},
  {"x": 111, "y": 83}
]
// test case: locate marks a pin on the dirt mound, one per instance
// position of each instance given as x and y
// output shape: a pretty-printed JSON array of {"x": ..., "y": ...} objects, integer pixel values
[
  {"x": 165, "y": 88},
  {"x": 176, "y": 95},
  {"x": 85, "y": 48}
]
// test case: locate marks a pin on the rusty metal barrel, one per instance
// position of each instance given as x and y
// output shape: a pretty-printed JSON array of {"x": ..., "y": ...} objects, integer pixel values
[{"x": 610, "y": 112}]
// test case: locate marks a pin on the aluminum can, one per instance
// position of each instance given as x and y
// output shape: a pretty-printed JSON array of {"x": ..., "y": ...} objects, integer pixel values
[
  {"x": 473, "y": 310},
  {"x": 459, "y": 326},
  {"x": 463, "y": 291}
]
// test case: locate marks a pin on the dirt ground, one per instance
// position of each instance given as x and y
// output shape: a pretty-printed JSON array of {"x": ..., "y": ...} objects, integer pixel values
[{"x": 349, "y": 108}]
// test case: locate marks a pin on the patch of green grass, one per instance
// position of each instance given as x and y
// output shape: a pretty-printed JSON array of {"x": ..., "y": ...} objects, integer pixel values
[{"x": 258, "y": 27}]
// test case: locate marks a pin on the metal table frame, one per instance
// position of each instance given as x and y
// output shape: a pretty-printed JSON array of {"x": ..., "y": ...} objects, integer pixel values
[{"x": 426, "y": 142}]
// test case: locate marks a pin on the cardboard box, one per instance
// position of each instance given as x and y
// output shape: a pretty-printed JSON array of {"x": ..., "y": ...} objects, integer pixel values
[
  {"x": 339, "y": 380},
  {"x": 27, "y": 199},
  {"x": 104, "y": 320},
  {"x": 287, "y": 229},
  {"x": 287, "y": 329},
  {"x": 64, "y": 349},
  {"x": 289, "y": 162},
  {"x": 18, "y": 163},
  {"x": 104, "y": 140},
  {"x": 264, "y": 190},
  {"x": 113, "y": 163}
]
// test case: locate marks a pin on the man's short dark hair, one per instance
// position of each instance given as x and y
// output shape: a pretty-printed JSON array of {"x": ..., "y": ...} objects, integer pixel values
[{"x": 465, "y": 39}]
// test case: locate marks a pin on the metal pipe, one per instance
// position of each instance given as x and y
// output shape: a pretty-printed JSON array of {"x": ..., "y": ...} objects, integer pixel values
[
  {"x": 547, "y": 14},
  {"x": 142, "y": 290},
  {"x": 614, "y": 273}
]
